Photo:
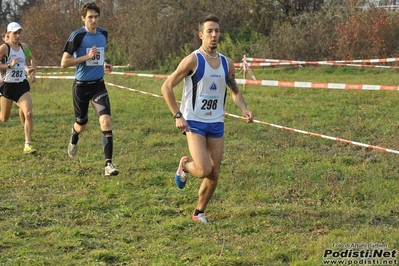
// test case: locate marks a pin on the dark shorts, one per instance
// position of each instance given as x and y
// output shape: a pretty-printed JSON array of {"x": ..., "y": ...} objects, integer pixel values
[
  {"x": 84, "y": 92},
  {"x": 14, "y": 91},
  {"x": 213, "y": 130}
]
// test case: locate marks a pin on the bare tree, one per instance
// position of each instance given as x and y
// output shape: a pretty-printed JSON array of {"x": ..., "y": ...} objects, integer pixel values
[{"x": 11, "y": 10}]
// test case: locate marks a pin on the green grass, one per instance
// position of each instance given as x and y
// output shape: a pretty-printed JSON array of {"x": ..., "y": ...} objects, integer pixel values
[{"x": 283, "y": 197}]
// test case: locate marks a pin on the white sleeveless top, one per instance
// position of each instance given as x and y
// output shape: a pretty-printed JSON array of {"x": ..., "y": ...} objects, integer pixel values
[
  {"x": 17, "y": 73},
  {"x": 204, "y": 92}
]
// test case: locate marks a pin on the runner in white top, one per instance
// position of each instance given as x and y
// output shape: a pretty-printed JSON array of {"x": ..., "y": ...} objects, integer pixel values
[
  {"x": 17, "y": 73},
  {"x": 205, "y": 73},
  {"x": 30, "y": 69},
  {"x": 15, "y": 86}
]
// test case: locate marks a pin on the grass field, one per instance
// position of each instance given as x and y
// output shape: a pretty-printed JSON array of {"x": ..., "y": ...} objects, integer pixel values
[{"x": 283, "y": 198}]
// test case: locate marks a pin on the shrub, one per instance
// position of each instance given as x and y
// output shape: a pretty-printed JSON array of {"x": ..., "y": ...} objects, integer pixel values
[{"x": 367, "y": 34}]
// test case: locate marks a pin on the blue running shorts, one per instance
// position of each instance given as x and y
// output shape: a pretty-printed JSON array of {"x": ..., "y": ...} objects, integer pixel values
[{"x": 213, "y": 130}]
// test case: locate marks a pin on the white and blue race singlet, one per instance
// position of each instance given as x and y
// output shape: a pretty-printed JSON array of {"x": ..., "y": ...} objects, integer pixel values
[
  {"x": 17, "y": 73},
  {"x": 204, "y": 93}
]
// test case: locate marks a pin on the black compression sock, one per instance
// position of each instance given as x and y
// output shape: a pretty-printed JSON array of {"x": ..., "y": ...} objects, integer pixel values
[
  {"x": 196, "y": 212},
  {"x": 108, "y": 144},
  {"x": 75, "y": 136}
]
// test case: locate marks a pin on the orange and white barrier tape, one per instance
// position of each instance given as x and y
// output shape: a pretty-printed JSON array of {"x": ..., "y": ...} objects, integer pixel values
[
  {"x": 140, "y": 75},
  {"x": 255, "y": 121},
  {"x": 55, "y": 77},
  {"x": 297, "y": 84},
  {"x": 273, "y": 83},
  {"x": 50, "y": 67},
  {"x": 301, "y": 84},
  {"x": 323, "y": 136},
  {"x": 55, "y": 73},
  {"x": 247, "y": 68},
  {"x": 278, "y": 126},
  {"x": 310, "y": 63},
  {"x": 261, "y": 62},
  {"x": 57, "y": 67},
  {"x": 382, "y": 60},
  {"x": 368, "y": 146}
]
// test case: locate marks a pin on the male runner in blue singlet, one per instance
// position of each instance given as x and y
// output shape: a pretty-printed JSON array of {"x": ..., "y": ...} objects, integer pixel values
[{"x": 85, "y": 48}]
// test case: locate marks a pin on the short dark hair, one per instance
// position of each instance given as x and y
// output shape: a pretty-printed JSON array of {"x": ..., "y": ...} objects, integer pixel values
[
  {"x": 212, "y": 18},
  {"x": 90, "y": 6}
]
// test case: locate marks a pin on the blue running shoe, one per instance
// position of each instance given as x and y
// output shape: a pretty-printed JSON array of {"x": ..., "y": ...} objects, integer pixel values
[{"x": 181, "y": 176}]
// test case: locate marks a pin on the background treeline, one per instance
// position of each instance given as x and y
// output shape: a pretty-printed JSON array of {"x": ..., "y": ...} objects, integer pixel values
[{"x": 156, "y": 34}]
